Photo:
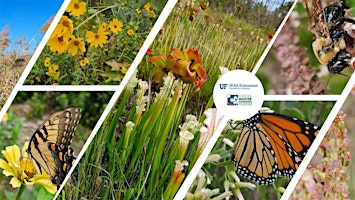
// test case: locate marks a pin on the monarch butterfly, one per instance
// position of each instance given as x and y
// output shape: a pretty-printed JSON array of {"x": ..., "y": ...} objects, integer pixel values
[
  {"x": 272, "y": 145},
  {"x": 49, "y": 147}
]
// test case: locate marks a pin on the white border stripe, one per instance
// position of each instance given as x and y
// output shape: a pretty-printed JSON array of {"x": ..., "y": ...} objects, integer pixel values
[
  {"x": 302, "y": 97},
  {"x": 34, "y": 57},
  {"x": 328, "y": 122},
  {"x": 267, "y": 49}
]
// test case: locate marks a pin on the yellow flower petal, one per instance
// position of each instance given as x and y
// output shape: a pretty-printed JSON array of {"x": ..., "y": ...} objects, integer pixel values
[
  {"x": 44, "y": 180},
  {"x": 7, "y": 170},
  {"x": 23, "y": 151},
  {"x": 15, "y": 182},
  {"x": 12, "y": 153}
]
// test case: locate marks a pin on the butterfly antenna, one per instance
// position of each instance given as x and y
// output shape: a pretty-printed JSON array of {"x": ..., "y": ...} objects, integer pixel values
[{"x": 234, "y": 127}]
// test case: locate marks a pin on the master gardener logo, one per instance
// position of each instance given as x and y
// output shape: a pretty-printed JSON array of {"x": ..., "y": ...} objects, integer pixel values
[
  {"x": 238, "y": 94},
  {"x": 239, "y": 100}
]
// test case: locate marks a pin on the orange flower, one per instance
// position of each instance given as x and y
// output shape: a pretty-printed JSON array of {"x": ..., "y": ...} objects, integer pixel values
[{"x": 185, "y": 65}]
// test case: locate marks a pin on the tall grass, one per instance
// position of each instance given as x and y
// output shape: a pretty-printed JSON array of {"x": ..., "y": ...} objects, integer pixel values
[
  {"x": 12, "y": 62},
  {"x": 222, "y": 39}
]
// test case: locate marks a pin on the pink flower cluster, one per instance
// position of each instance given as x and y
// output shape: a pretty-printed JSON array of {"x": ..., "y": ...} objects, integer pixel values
[
  {"x": 301, "y": 77},
  {"x": 328, "y": 180}
]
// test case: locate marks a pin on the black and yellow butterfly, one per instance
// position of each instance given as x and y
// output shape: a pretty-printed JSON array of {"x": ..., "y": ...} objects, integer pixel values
[
  {"x": 49, "y": 147},
  {"x": 272, "y": 145}
]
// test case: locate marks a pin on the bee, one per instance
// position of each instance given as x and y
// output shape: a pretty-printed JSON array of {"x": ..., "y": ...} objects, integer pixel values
[{"x": 332, "y": 44}]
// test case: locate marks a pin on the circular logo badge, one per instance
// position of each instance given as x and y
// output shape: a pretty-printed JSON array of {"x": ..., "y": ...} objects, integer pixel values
[{"x": 238, "y": 94}]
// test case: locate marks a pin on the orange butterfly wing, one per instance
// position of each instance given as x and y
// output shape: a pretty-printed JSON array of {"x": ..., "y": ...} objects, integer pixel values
[{"x": 272, "y": 145}]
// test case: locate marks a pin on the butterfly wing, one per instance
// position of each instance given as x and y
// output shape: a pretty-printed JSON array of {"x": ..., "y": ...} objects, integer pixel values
[
  {"x": 290, "y": 139},
  {"x": 254, "y": 157},
  {"x": 52, "y": 140},
  {"x": 272, "y": 145}
]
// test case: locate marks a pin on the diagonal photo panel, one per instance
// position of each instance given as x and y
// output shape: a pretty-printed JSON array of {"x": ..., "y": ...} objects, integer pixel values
[
  {"x": 95, "y": 42},
  {"x": 330, "y": 174},
  {"x": 257, "y": 157},
  {"x": 40, "y": 135},
  {"x": 313, "y": 54},
  {"x": 21, "y": 31}
]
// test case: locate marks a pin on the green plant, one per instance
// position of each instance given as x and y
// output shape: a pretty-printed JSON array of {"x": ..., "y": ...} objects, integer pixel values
[{"x": 90, "y": 37}]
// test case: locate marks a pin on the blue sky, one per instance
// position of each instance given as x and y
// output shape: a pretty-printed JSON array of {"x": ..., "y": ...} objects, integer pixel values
[{"x": 26, "y": 17}]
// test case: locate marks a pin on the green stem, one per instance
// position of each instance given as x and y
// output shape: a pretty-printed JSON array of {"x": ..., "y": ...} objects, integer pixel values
[
  {"x": 19, "y": 193},
  {"x": 100, "y": 11}
]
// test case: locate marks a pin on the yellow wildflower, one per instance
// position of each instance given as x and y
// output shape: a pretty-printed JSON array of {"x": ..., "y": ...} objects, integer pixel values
[
  {"x": 130, "y": 32},
  {"x": 97, "y": 39},
  {"x": 84, "y": 62},
  {"x": 75, "y": 45},
  {"x": 115, "y": 26},
  {"x": 22, "y": 170},
  {"x": 53, "y": 72},
  {"x": 151, "y": 14},
  {"x": 64, "y": 28},
  {"x": 75, "y": 8},
  {"x": 47, "y": 62},
  {"x": 58, "y": 44},
  {"x": 104, "y": 25},
  {"x": 138, "y": 10},
  {"x": 147, "y": 7},
  {"x": 5, "y": 117}
]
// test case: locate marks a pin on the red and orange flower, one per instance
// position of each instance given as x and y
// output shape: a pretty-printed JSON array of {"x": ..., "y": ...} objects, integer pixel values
[{"x": 185, "y": 65}]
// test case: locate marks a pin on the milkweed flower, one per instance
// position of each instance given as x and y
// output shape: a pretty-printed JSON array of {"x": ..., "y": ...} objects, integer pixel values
[
  {"x": 328, "y": 180},
  {"x": 76, "y": 8},
  {"x": 22, "y": 169},
  {"x": 97, "y": 39}
]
